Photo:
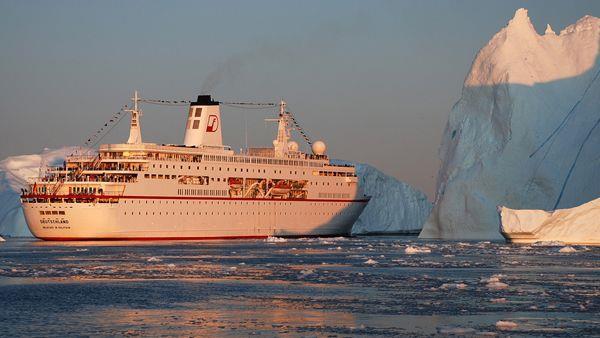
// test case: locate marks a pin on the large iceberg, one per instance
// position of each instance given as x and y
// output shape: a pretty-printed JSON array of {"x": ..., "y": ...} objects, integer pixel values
[
  {"x": 395, "y": 206},
  {"x": 14, "y": 174},
  {"x": 524, "y": 133},
  {"x": 579, "y": 225}
]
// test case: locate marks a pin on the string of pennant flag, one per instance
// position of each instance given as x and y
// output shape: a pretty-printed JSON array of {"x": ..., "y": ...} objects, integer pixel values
[
  {"x": 100, "y": 133},
  {"x": 300, "y": 130}
]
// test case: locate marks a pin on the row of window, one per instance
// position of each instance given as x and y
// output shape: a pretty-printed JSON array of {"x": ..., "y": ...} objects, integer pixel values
[
  {"x": 202, "y": 192},
  {"x": 235, "y": 213},
  {"x": 337, "y": 173},
  {"x": 275, "y": 171},
  {"x": 259, "y": 160},
  {"x": 333, "y": 195},
  {"x": 234, "y": 202}
]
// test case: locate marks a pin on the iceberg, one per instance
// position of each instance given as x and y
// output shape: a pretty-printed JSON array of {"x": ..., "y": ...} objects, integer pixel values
[
  {"x": 395, "y": 207},
  {"x": 14, "y": 173},
  {"x": 579, "y": 225},
  {"x": 524, "y": 133}
]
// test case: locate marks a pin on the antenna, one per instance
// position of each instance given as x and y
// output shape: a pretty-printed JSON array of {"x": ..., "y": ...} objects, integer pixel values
[{"x": 135, "y": 131}]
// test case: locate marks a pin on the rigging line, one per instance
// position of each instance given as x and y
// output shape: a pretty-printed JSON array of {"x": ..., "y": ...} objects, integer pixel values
[
  {"x": 562, "y": 190},
  {"x": 248, "y": 108},
  {"x": 114, "y": 120},
  {"x": 107, "y": 132},
  {"x": 562, "y": 123},
  {"x": 269, "y": 104}
]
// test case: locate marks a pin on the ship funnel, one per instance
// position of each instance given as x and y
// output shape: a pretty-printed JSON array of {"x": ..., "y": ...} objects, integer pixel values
[{"x": 204, "y": 123}]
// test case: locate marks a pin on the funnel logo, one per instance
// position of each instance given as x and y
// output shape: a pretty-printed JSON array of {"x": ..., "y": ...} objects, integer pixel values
[{"x": 213, "y": 123}]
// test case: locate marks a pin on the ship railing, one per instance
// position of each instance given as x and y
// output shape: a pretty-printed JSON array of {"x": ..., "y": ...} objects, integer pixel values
[{"x": 81, "y": 158}]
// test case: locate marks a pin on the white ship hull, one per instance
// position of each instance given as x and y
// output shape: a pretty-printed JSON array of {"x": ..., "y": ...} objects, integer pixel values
[
  {"x": 200, "y": 218},
  {"x": 198, "y": 190}
]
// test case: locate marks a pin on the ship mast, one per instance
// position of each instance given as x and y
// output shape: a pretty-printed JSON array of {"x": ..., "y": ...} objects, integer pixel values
[
  {"x": 135, "y": 131},
  {"x": 283, "y": 131}
]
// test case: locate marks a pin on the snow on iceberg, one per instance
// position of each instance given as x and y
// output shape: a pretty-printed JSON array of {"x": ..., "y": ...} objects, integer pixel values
[
  {"x": 14, "y": 173},
  {"x": 395, "y": 207},
  {"x": 524, "y": 132},
  {"x": 579, "y": 225}
]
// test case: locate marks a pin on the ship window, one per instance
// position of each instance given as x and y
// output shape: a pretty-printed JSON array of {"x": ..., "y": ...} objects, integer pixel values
[
  {"x": 41, "y": 212},
  {"x": 196, "y": 124},
  {"x": 191, "y": 112},
  {"x": 198, "y": 112}
]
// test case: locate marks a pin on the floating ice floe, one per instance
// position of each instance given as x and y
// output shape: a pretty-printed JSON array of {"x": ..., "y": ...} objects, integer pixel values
[
  {"x": 567, "y": 249},
  {"x": 411, "y": 250},
  {"x": 524, "y": 133},
  {"x": 455, "y": 330},
  {"x": 153, "y": 259},
  {"x": 306, "y": 272},
  {"x": 494, "y": 283},
  {"x": 371, "y": 261},
  {"x": 548, "y": 243},
  {"x": 2, "y": 239},
  {"x": 272, "y": 239},
  {"x": 496, "y": 286},
  {"x": 578, "y": 225},
  {"x": 506, "y": 325},
  {"x": 459, "y": 286}
]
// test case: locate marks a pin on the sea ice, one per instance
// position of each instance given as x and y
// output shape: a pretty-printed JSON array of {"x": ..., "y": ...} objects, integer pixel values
[
  {"x": 2, "y": 239},
  {"x": 272, "y": 239},
  {"x": 496, "y": 286},
  {"x": 371, "y": 261},
  {"x": 578, "y": 225},
  {"x": 410, "y": 250},
  {"x": 459, "y": 286},
  {"x": 524, "y": 131},
  {"x": 506, "y": 325},
  {"x": 567, "y": 249},
  {"x": 455, "y": 330}
]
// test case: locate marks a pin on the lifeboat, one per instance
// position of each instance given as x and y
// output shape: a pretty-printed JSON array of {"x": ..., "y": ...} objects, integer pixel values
[
  {"x": 235, "y": 182},
  {"x": 281, "y": 188}
]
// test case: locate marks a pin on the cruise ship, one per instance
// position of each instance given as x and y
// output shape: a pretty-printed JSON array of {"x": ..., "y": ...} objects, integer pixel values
[{"x": 200, "y": 189}]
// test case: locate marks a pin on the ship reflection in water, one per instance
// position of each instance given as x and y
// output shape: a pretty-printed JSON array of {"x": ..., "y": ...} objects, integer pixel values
[{"x": 308, "y": 287}]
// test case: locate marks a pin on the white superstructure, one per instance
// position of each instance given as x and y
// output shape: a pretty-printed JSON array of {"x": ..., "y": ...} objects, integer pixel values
[{"x": 198, "y": 190}]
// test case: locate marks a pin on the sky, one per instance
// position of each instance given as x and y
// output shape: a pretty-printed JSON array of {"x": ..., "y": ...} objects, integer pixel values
[{"x": 375, "y": 80}]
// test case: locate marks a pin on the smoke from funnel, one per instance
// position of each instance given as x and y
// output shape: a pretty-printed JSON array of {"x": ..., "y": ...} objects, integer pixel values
[
  {"x": 323, "y": 37},
  {"x": 228, "y": 69}
]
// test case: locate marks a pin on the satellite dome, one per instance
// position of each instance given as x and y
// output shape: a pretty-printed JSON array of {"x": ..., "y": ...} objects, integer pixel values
[
  {"x": 293, "y": 146},
  {"x": 319, "y": 147}
]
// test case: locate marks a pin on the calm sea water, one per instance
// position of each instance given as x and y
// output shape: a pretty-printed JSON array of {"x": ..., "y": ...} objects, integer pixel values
[{"x": 365, "y": 286}]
